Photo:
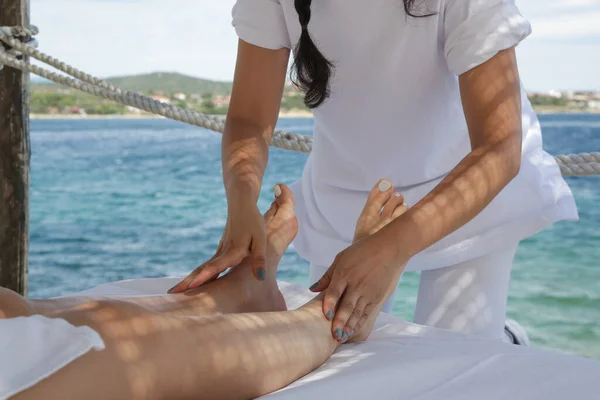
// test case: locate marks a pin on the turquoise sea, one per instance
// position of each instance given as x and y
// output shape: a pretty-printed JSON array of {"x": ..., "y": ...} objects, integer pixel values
[{"x": 123, "y": 199}]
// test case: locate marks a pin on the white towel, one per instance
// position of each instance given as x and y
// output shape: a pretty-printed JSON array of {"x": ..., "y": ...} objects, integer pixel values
[{"x": 33, "y": 348}]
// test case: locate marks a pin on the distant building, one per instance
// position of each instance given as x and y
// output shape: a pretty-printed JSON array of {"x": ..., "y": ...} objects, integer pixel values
[
  {"x": 595, "y": 104},
  {"x": 132, "y": 110},
  {"x": 221, "y": 101},
  {"x": 580, "y": 97},
  {"x": 76, "y": 111},
  {"x": 162, "y": 99},
  {"x": 180, "y": 96},
  {"x": 555, "y": 93}
]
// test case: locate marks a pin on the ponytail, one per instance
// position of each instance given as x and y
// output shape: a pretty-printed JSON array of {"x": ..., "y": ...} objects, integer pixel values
[{"x": 312, "y": 69}]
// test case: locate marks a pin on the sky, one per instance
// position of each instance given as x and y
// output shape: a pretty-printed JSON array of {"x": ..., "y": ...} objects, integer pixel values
[{"x": 195, "y": 37}]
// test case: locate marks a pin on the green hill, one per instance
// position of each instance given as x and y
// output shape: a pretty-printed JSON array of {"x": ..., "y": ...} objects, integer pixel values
[
  {"x": 170, "y": 82},
  {"x": 166, "y": 82}
]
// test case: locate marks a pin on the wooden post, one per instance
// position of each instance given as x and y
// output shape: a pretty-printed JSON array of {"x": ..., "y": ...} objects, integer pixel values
[{"x": 14, "y": 161}]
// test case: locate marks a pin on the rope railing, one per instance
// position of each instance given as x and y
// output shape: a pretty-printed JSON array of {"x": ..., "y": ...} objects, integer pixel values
[{"x": 18, "y": 41}]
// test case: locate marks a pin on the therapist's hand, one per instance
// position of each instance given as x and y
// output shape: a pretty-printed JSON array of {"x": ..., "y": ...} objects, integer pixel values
[
  {"x": 244, "y": 236},
  {"x": 357, "y": 284},
  {"x": 364, "y": 275}
]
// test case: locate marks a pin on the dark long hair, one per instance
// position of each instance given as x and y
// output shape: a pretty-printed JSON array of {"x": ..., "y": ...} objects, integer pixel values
[{"x": 311, "y": 71}]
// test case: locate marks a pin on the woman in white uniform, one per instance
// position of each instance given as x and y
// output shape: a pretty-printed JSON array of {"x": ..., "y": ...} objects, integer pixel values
[{"x": 423, "y": 93}]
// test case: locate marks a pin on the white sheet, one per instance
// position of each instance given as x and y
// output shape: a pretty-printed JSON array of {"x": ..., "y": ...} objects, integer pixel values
[
  {"x": 33, "y": 348},
  {"x": 402, "y": 360}
]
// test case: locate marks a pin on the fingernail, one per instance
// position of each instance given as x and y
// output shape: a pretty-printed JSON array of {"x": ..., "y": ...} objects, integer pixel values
[
  {"x": 344, "y": 336},
  {"x": 313, "y": 287},
  {"x": 329, "y": 315},
  {"x": 384, "y": 185},
  {"x": 351, "y": 333},
  {"x": 398, "y": 194},
  {"x": 338, "y": 333},
  {"x": 277, "y": 190},
  {"x": 169, "y": 291},
  {"x": 261, "y": 274}
]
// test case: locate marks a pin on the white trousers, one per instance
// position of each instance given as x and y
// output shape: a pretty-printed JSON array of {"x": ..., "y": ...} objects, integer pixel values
[{"x": 469, "y": 297}]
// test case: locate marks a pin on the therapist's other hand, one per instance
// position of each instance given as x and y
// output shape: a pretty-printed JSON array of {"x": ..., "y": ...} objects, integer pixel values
[
  {"x": 365, "y": 274},
  {"x": 244, "y": 236}
]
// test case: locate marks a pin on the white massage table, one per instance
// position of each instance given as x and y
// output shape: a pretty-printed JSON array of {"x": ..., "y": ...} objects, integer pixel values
[{"x": 402, "y": 360}]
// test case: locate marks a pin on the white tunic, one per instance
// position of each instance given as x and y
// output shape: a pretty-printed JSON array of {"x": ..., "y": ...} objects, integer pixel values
[{"x": 395, "y": 112}]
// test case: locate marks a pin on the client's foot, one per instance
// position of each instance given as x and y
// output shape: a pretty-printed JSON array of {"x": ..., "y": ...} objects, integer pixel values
[
  {"x": 254, "y": 295},
  {"x": 382, "y": 207}
]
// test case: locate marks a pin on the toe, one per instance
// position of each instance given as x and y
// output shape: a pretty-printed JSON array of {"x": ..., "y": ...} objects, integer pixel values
[
  {"x": 271, "y": 211},
  {"x": 400, "y": 209},
  {"x": 379, "y": 195},
  {"x": 283, "y": 195},
  {"x": 391, "y": 205}
]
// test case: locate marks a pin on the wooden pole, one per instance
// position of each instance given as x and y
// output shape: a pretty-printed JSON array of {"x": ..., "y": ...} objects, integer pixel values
[{"x": 14, "y": 162}]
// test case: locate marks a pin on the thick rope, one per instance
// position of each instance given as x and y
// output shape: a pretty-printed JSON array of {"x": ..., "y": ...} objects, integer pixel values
[
  {"x": 584, "y": 164},
  {"x": 97, "y": 87}
]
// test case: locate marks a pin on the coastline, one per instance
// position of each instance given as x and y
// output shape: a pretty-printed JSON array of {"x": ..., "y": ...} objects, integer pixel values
[{"x": 285, "y": 114}]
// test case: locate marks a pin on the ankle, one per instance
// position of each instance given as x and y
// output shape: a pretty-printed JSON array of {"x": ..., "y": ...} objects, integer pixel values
[{"x": 313, "y": 311}]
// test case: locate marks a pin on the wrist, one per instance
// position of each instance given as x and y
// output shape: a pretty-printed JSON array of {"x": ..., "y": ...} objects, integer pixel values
[
  {"x": 393, "y": 247},
  {"x": 242, "y": 192}
]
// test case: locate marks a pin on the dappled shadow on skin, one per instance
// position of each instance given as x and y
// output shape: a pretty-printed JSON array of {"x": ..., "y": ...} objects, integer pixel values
[
  {"x": 239, "y": 355},
  {"x": 150, "y": 355},
  {"x": 491, "y": 96}
]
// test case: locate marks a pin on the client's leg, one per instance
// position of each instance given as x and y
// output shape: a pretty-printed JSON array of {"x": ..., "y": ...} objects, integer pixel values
[
  {"x": 236, "y": 292},
  {"x": 150, "y": 355},
  {"x": 154, "y": 356}
]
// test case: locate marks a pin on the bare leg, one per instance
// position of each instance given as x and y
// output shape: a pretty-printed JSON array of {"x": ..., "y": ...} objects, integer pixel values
[
  {"x": 236, "y": 292},
  {"x": 153, "y": 356}
]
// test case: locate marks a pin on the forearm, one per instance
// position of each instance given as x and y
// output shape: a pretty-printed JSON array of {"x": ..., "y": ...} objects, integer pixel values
[
  {"x": 245, "y": 153},
  {"x": 458, "y": 198}
]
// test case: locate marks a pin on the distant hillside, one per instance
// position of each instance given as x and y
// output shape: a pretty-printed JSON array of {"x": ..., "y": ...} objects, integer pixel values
[
  {"x": 170, "y": 82},
  {"x": 167, "y": 82}
]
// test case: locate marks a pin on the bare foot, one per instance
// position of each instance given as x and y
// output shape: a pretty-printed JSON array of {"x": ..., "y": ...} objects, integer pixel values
[
  {"x": 382, "y": 207},
  {"x": 236, "y": 292},
  {"x": 254, "y": 295}
]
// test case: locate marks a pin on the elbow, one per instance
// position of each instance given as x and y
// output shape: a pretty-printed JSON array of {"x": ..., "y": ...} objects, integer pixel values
[
  {"x": 513, "y": 156},
  {"x": 514, "y": 168}
]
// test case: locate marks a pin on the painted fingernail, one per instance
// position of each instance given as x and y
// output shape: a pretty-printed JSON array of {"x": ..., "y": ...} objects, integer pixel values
[
  {"x": 261, "y": 274},
  {"x": 313, "y": 287},
  {"x": 277, "y": 190},
  {"x": 330, "y": 315},
  {"x": 338, "y": 333},
  {"x": 398, "y": 194},
  {"x": 351, "y": 333},
  {"x": 384, "y": 185},
  {"x": 344, "y": 336}
]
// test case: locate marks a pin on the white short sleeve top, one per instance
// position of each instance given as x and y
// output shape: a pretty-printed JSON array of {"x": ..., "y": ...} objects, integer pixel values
[{"x": 395, "y": 112}]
